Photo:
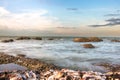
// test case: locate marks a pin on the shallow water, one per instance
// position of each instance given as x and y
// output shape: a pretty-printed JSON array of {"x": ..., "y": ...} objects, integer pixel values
[{"x": 64, "y": 52}]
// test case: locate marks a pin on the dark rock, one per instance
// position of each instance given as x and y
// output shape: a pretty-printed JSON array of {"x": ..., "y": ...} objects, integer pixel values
[
  {"x": 88, "y": 46},
  {"x": 80, "y": 40},
  {"x": 94, "y": 39},
  {"x": 37, "y": 38},
  {"x": 32, "y": 64},
  {"x": 21, "y": 55},
  {"x": 90, "y": 39},
  {"x": 115, "y": 40},
  {"x": 23, "y": 38},
  {"x": 50, "y": 39},
  {"x": 6, "y": 41}
]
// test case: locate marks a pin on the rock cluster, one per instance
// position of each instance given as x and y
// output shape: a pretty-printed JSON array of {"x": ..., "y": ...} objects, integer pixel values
[
  {"x": 67, "y": 74},
  {"x": 7, "y": 40},
  {"x": 115, "y": 40},
  {"x": 46, "y": 71},
  {"x": 23, "y": 38},
  {"x": 32, "y": 64},
  {"x": 50, "y": 39},
  {"x": 89, "y": 39},
  {"x": 37, "y": 38}
]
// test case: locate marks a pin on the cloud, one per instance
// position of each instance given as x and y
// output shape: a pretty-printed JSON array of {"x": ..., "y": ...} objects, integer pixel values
[
  {"x": 113, "y": 15},
  {"x": 110, "y": 22},
  {"x": 113, "y": 20},
  {"x": 72, "y": 9},
  {"x": 36, "y": 20},
  {"x": 117, "y": 13},
  {"x": 3, "y": 12},
  {"x": 66, "y": 27}
]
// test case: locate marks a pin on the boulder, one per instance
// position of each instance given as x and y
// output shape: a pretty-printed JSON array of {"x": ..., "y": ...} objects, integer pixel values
[
  {"x": 115, "y": 40},
  {"x": 89, "y": 39},
  {"x": 8, "y": 40},
  {"x": 23, "y": 38},
  {"x": 94, "y": 39},
  {"x": 21, "y": 55},
  {"x": 50, "y": 39},
  {"x": 37, "y": 38},
  {"x": 88, "y": 46},
  {"x": 80, "y": 40}
]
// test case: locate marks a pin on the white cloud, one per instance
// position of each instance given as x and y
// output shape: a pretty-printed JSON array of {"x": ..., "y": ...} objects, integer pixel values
[
  {"x": 36, "y": 20},
  {"x": 3, "y": 12}
]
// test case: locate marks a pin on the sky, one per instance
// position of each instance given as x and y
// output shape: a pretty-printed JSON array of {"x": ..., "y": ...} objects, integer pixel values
[{"x": 60, "y": 18}]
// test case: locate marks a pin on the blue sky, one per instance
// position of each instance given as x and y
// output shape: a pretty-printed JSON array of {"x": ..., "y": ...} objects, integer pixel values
[{"x": 52, "y": 17}]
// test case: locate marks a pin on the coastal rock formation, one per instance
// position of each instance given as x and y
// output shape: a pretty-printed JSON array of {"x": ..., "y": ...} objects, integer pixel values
[
  {"x": 6, "y": 41},
  {"x": 81, "y": 40},
  {"x": 38, "y": 70},
  {"x": 50, "y": 39},
  {"x": 88, "y": 46},
  {"x": 94, "y": 39},
  {"x": 33, "y": 64},
  {"x": 21, "y": 55},
  {"x": 89, "y": 39},
  {"x": 115, "y": 40},
  {"x": 23, "y": 38},
  {"x": 37, "y": 38}
]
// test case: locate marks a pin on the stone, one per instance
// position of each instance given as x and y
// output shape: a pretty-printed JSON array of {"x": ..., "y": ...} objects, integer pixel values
[
  {"x": 88, "y": 46},
  {"x": 23, "y": 38},
  {"x": 37, "y": 38},
  {"x": 94, "y": 39},
  {"x": 115, "y": 40},
  {"x": 89, "y": 39},
  {"x": 80, "y": 40},
  {"x": 50, "y": 39},
  {"x": 8, "y": 40}
]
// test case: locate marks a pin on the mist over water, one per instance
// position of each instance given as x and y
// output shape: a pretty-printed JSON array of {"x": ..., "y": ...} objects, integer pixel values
[{"x": 66, "y": 53}]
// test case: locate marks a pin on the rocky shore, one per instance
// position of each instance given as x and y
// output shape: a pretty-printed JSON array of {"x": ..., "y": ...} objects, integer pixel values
[
  {"x": 52, "y": 72},
  {"x": 36, "y": 64},
  {"x": 31, "y": 64}
]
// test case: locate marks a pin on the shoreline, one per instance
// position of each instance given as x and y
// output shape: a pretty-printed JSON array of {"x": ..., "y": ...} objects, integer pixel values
[
  {"x": 36, "y": 64},
  {"x": 30, "y": 63},
  {"x": 51, "y": 72}
]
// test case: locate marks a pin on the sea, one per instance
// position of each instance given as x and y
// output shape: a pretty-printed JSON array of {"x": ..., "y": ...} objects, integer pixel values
[{"x": 64, "y": 52}]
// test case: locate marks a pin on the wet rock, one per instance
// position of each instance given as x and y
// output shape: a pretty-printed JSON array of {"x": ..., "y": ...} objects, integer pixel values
[
  {"x": 37, "y": 38},
  {"x": 23, "y": 38},
  {"x": 80, "y": 40},
  {"x": 115, "y": 40},
  {"x": 89, "y": 39},
  {"x": 50, "y": 39},
  {"x": 6, "y": 41},
  {"x": 32, "y": 64},
  {"x": 94, "y": 39},
  {"x": 88, "y": 46},
  {"x": 21, "y": 55}
]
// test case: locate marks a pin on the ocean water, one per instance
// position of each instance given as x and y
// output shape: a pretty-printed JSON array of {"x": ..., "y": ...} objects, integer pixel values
[{"x": 66, "y": 53}]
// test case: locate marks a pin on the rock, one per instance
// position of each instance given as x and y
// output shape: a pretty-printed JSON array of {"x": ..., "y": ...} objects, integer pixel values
[
  {"x": 88, "y": 46},
  {"x": 37, "y": 38},
  {"x": 50, "y": 39},
  {"x": 89, "y": 39},
  {"x": 80, "y": 40},
  {"x": 33, "y": 64},
  {"x": 6, "y": 41},
  {"x": 115, "y": 40},
  {"x": 23, "y": 38},
  {"x": 94, "y": 39},
  {"x": 21, "y": 55}
]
